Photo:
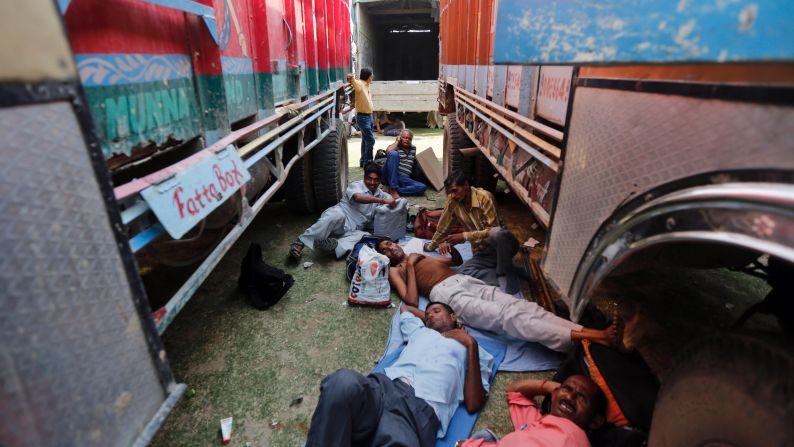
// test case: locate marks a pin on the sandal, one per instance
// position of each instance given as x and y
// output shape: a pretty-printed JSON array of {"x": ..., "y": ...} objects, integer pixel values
[{"x": 296, "y": 250}]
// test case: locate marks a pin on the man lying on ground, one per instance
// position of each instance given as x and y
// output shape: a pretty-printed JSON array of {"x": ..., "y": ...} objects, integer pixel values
[
  {"x": 482, "y": 306},
  {"x": 577, "y": 405},
  {"x": 340, "y": 227},
  {"x": 414, "y": 399},
  {"x": 399, "y": 166},
  {"x": 493, "y": 245}
]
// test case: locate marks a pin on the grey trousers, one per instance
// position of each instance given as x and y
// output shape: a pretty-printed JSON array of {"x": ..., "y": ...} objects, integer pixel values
[
  {"x": 486, "y": 307},
  {"x": 495, "y": 261},
  {"x": 332, "y": 224},
  {"x": 354, "y": 410}
]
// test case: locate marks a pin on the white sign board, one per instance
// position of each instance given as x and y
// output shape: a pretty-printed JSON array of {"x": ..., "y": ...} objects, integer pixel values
[
  {"x": 182, "y": 201},
  {"x": 554, "y": 88},
  {"x": 514, "y": 85}
]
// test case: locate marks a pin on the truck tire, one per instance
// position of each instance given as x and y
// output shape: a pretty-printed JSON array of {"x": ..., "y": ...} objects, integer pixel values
[
  {"x": 484, "y": 173},
  {"x": 729, "y": 389},
  {"x": 454, "y": 140},
  {"x": 298, "y": 188},
  {"x": 329, "y": 160}
]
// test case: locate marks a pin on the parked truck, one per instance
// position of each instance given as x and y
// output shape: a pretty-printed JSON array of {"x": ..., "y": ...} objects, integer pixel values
[
  {"x": 140, "y": 139},
  {"x": 399, "y": 41},
  {"x": 643, "y": 135},
  {"x": 173, "y": 85}
]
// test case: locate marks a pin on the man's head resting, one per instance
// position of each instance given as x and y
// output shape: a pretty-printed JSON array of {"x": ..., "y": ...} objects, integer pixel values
[
  {"x": 391, "y": 250},
  {"x": 372, "y": 176},
  {"x": 440, "y": 317},
  {"x": 580, "y": 400}
]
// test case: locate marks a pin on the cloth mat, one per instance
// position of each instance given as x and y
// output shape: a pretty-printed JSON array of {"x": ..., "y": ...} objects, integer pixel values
[
  {"x": 519, "y": 356},
  {"x": 462, "y": 421}
]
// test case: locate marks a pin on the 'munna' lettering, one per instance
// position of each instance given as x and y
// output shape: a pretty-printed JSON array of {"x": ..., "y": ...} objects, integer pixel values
[{"x": 137, "y": 113}]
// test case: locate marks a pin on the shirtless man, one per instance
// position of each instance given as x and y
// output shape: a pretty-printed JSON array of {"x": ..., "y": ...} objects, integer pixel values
[{"x": 482, "y": 306}]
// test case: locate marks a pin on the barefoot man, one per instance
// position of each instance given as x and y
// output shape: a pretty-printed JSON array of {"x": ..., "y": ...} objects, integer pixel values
[{"x": 481, "y": 306}]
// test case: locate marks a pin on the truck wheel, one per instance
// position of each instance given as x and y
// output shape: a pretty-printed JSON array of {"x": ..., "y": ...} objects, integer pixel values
[
  {"x": 454, "y": 140},
  {"x": 484, "y": 173},
  {"x": 727, "y": 390},
  {"x": 330, "y": 167},
  {"x": 298, "y": 189}
]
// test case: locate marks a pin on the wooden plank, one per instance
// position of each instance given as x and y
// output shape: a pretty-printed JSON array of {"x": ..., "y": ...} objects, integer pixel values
[
  {"x": 431, "y": 167},
  {"x": 406, "y": 106},
  {"x": 536, "y": 141},
  {"x": 403, "y": 88}
]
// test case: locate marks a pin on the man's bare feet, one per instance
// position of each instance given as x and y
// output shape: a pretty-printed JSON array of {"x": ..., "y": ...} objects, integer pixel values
[{"x": 613, "y": 335}]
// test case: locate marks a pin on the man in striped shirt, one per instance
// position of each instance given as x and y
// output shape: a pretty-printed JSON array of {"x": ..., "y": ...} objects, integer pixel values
[
  {"x": 396, "y": 173},
  {"x": 493, "y": 245}
]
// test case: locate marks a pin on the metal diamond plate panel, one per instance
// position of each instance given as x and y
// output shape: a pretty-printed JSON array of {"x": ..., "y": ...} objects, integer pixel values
[
  {"x": 624, "y": 143},
  {"x": 74, "y": 364}
]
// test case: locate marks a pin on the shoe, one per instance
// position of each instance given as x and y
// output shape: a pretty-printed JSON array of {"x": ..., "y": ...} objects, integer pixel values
[
  {"x": 486, "y": 435},
  {"x": 296, "y": 250},
  {"x": 327, "y": 245}
]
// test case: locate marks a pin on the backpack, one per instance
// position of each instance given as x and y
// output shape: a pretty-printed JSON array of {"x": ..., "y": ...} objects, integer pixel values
[
  {"x": 426, "y": 223},
  {"x": 263, "y": 285},
  {"x": 351, "y": 262},
  {"x": 370, "y": 283}
]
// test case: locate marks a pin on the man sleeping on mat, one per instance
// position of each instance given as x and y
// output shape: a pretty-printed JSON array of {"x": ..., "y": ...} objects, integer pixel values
[
  {"x": 414, "y": 400},
  {"x": 482, "y": 306},
  {"x": 577, "y": 405}
]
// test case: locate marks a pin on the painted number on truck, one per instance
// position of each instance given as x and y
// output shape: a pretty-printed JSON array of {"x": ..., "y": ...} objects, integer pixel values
[
  {"x": 553, "y": 90},
  {"x": 189, "y": 196}
]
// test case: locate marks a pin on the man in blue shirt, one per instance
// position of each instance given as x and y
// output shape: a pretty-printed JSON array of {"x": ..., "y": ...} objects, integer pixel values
[{"x": 413, "y": 401}]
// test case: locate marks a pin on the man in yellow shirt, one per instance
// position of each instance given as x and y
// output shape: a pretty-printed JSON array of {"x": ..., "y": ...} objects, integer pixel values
[
  {"x": 492, "y": 244},
  {"x": 364, "y": 112}
]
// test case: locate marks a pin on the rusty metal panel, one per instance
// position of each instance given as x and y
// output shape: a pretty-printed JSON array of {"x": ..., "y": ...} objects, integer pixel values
[
  {"x": 470, "y": 77},
  {"x": 499, "y": 84},
  {"x": 519, "y": 87},
  {"x": 624, "y": 143},
  {"x": 481, "y": 80},
  {"x": 75, "y": 365},
  {"x": 490, "y": 81}
]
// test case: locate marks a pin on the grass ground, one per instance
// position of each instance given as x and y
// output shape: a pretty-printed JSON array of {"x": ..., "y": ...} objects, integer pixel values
[{"x": 254, "y": 365}]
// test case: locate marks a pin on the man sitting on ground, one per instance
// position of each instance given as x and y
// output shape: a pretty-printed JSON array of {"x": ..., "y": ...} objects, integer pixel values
[
  {"x": 493, "y": 245},
  {"x": 388, "y": 125},
  {"x": 577, "y": 405},
  {"x": 414, "y": 399},
  {"x": 482, "y": 306},
  {"x": 400, "y": 161},
  {"x": 340, "y": 227}
]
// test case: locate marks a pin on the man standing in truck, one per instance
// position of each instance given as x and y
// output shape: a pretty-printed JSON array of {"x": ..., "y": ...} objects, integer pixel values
[
  {"x": 363, "y": 106},
  {"x": 493, "y": 245},
  {"x": 340, "y": 227}
]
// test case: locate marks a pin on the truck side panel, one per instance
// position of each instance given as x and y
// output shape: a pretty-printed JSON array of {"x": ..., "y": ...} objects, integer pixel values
[
  {"x": 156, "y": 76},
  {"x": 567, "y": 31}
]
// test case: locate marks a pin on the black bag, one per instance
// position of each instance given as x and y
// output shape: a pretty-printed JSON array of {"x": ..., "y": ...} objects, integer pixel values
[
  {"x": 631, "y": 383},
  {"x": 352, "y": 257},
  {"x": 263, "y": 285}
]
